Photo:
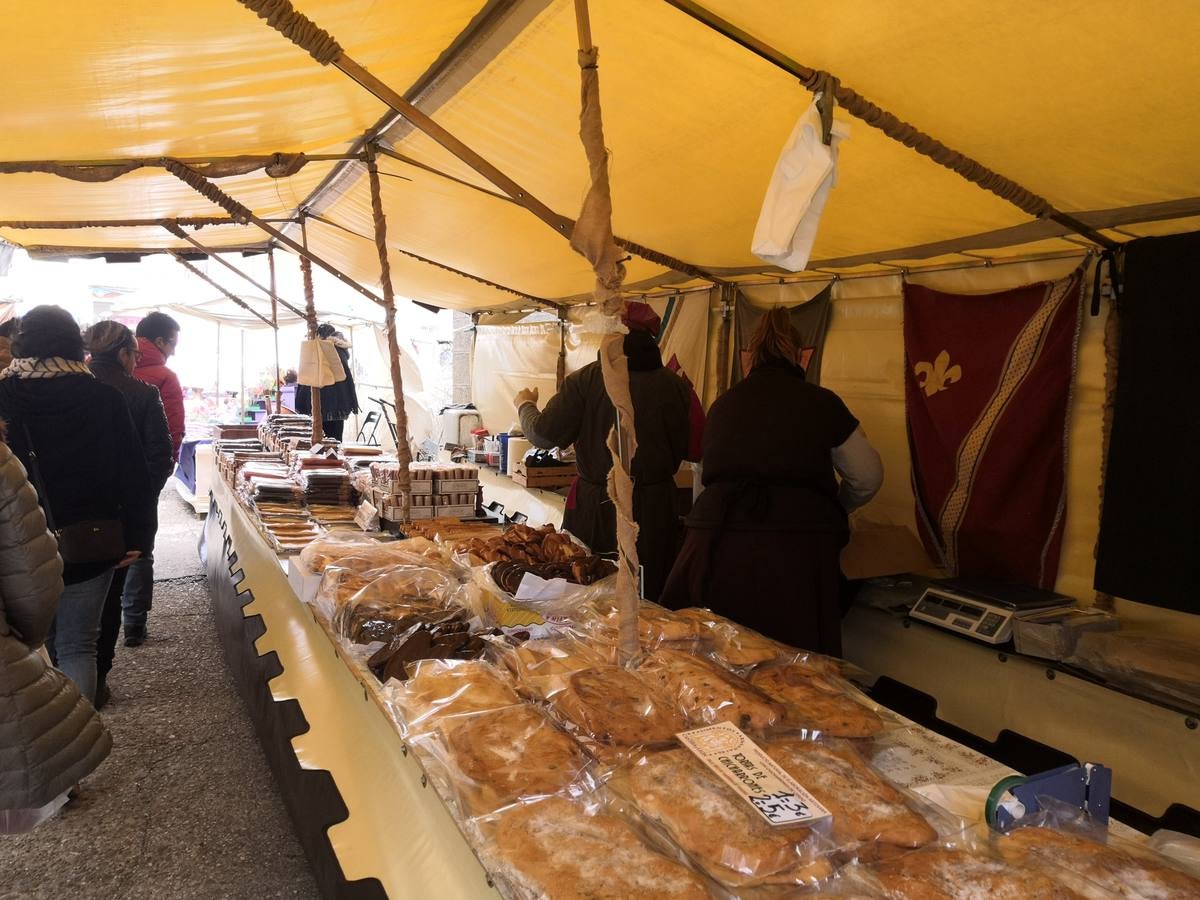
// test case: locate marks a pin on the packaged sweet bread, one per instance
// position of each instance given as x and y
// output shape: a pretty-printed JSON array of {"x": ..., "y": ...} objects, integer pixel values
[
  {"x": 378, "y": 610},
  {"x": 362, "y": 555},
  {"x": 543, "y": 667},
  {"x": 937, "y": 873},
  {"x": 501, "y": 756},
  {"x": 732, "y": 644},
  {"x": 562, "y": 849},
  {"x": 815, "y": 702},
  {"x": 707, "y": 693},
  {"x": 439, "y": 688},
  {"x": 867, "y": 811},
  {"x": 614, "y": 712},
  {"x": 717, "y": 829},
  {"x": 1089, "y": 867}
]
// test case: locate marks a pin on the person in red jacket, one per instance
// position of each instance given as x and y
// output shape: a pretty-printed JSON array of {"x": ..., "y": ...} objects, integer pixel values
[{"x": 157, "y": 337}]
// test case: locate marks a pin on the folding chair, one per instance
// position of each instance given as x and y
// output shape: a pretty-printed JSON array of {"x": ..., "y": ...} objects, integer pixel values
[
  {"x": 364, "y": 437},
  {"x": 384, "y": 406}
]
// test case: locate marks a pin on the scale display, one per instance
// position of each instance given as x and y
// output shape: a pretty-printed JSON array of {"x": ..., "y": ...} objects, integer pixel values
[{"x": 981, "y": 608}]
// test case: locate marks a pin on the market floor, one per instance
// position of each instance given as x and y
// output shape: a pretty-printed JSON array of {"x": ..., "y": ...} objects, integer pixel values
[{"x": 185, "y": 806}]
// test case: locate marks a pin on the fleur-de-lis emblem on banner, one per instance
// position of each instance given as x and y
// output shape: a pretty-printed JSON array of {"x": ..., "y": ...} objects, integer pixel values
[{"x": 938, "y": 376}]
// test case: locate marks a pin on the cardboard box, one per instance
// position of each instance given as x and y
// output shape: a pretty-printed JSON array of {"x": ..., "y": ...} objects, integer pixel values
[{"x": 544, "y": 477}]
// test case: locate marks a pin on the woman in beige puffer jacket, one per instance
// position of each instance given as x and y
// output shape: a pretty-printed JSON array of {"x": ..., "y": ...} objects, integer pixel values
[{"x": 50, "y": 737}]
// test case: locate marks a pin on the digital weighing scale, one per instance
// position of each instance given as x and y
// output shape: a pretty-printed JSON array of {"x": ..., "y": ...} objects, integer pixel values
[{"x": 982, "y": 608}]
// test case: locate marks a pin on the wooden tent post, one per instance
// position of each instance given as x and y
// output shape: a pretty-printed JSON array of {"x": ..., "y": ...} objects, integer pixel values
[
  {"x": 403, "y": 453},
  {"x": 310, "y": 304},
  {"x": 220, "y": 260},
  {"x": 275, "y": 319}
]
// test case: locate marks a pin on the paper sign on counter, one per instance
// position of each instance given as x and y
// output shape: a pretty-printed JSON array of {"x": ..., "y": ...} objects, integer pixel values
[{"x": 753, "y": 775}]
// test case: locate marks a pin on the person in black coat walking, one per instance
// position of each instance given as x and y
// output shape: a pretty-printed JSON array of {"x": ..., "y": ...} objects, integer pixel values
[
  {"x": 114, "y": 354},
  {"x": 91, "y": 467}
]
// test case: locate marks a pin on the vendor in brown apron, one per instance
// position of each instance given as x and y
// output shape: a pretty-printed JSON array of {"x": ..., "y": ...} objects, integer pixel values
[
  {"x": 764, "y": 537},
  {"x": 581, "y": 414}
]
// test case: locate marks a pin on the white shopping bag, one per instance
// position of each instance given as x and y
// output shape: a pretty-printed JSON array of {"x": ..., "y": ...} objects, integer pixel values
[
  {"x": 800, "y": 184},
  {"x": 320, "y": 365}
]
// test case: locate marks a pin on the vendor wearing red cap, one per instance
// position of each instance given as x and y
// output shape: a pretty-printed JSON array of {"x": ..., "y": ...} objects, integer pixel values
[{"x": 581, "y": 414}]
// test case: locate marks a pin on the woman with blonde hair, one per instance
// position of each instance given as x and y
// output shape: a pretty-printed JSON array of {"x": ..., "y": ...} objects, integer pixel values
[{"x": 764, "y": 537}]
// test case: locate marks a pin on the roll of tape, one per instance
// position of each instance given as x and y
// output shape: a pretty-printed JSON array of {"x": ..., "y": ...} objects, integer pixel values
[{"x": 995, "y": 799}]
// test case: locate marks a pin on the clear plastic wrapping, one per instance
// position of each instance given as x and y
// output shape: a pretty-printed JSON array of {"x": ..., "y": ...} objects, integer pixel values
[
  {"x": 572, "y": 850},
  {"x": 817, "y": 702},
  {"x": 543, "y": 667},
  {"x": 1095, "y": 865},
  {"x": 720, "y": 833},
  {"x": 959, "y": 873},
  {"x": 379, "y": 610},
  {"x": 731, "y": 644},
  {"x": 708, "y": 693},
  {"x": 440, "y": 688},
  {"x": 1163, "y": 667},
  {"x": 354, "y": 551}
]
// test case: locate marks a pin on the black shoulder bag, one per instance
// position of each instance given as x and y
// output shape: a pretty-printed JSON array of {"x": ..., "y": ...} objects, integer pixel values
[{"x": 89, "y": 541}]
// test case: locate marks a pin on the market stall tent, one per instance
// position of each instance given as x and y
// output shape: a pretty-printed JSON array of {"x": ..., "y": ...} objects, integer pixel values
[{"x": 695, "y": 114}]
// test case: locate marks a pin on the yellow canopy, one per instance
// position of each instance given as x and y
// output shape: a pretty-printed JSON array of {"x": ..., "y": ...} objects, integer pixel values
[{"x": 1081, "y": 102}]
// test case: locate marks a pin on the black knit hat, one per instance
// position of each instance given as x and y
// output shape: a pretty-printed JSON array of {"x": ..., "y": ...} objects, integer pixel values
[{"x": 48, "y": 331}]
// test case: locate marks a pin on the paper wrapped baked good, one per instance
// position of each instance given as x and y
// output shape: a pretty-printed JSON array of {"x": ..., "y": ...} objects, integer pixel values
[
  {"x": 866, "y": 809},
  {"x": 816, "y": 702},
  {"x": 440, "y": 688},
  {"x": 613, "y": 711},
  {"x": 1090, "y": 867},
  {"x": 941, "y": 874},
  {"x": 708, "y": 693},
  {"x": 716, "y": 828},
  {"x": 556, "y": 848},
  {"x": 733, "y": 644},
  {"x": 510, "y": 754}
]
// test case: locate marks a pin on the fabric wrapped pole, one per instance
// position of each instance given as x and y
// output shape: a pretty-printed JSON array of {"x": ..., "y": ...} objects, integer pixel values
[
  {"x": 592, "y": 237},
  {"x": 297, "y": 28},
  {"x": 403, "y": 454},
  {"x": 310, "y": 305}
]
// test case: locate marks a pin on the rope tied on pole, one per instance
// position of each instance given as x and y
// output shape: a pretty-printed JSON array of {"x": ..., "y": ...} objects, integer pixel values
[
  {"x": 209, "y": 191},
  {"x": 297, "y": 28}
]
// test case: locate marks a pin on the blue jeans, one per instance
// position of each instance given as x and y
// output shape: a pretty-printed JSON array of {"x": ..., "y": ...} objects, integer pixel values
[
  {"x": 139, "y": 592},
  {"x": 76, "y": 631}
]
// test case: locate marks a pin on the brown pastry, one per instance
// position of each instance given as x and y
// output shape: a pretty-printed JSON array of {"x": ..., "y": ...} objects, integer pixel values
[
  {"x": 553, "y": 848},
  {"x": 717, "y": 828},
  {"x": 543, "y": 667},
  {"x": 816, "y": 703},
  {"x": 865, "y": 808},
  {"x": 510, "y": 754},
  {"x": 708, "y": 694},
  {"x": 1079, "y": 863},
  {"x": 438, "y": 689},
  {"x": 614, "y": 706},
  {"x": 733, "y": 644},
  {"x": 958, "y": 875}
]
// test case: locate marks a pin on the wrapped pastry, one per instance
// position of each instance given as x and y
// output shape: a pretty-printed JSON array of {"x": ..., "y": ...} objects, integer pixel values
[
  {"x": 733, "y": 644},
  {"x": 556, "y": 848},
  {"x": 544, "y": 667},
  {"x": 510, "y": 754},
  {"x": 815, "y": 702},
  {"x": 940, "y": 874},
  {"x": 716, "y": 828},
  {"x": 1090, "y": 867},
  {"x": 440, "y": 688},
  {"x": 708, "y": 693},
  {"x": 613, "y": 711},
  {"x": 866, "y": 809}
]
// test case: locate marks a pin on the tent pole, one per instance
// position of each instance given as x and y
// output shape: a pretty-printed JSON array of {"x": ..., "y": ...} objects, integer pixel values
[
  {"x": 592, "y": 237},
  {"x": 302, "y": 31},
  {"x": 858, "y": 106},
  {"x": 214, "y": 255},
  {"x": 243, "y": 215},
  {"x": 236, "y": 299},
  {"x": 310, "y": 304},
  {"x": 275, "y": 319},
  {"x": 403, "y": 453}
]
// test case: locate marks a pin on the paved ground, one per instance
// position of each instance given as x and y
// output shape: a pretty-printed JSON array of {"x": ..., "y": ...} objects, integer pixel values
[{"x": 185, "y": 807}]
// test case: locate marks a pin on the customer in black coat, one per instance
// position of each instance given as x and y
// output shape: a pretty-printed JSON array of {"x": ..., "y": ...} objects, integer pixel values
[
  {"x": 91, "y": 465},
  {"x": 338, "y": 400},
  {"x": 114, "y": 356}
]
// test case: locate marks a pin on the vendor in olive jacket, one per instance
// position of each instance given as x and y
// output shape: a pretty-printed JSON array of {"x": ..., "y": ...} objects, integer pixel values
[{"x": 581, "y": 414}]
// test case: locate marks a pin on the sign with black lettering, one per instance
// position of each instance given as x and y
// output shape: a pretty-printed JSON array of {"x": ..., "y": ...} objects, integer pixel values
[{"x": 753, "y": 775}]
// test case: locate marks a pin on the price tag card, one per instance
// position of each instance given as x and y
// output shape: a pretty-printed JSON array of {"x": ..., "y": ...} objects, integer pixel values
[{"x": 753, "y": 775}]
